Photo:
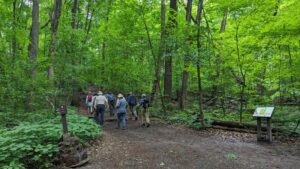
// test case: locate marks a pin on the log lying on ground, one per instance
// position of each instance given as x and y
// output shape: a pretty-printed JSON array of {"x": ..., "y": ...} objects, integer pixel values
[{"x": 247, "y": 126}]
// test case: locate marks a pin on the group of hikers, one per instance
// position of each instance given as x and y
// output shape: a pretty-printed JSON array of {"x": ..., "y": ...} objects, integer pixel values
[{"x": 98, "y": 103}]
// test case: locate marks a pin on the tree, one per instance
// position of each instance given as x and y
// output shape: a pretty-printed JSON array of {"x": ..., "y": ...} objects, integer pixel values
[
  {"x": 187, "y": 62},
  {"x": 54, "y": 27},
  {"x": 34, "y": 38},
  {"x": 74, "y": 14},
  {"x": 200, "y": 92},
  {"x": 171, "y": 25}
]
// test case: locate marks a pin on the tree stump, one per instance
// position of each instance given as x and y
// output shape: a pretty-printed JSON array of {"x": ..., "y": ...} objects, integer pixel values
[{"x": 71, "y": 152}]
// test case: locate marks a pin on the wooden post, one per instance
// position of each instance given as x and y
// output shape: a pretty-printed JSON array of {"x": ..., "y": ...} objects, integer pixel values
[
  {"x": 269, "y": 130},
  {"x": 63, "y": 112},
  {"x": 258, "y": 119},
  {"x": 266, "y": 113}
]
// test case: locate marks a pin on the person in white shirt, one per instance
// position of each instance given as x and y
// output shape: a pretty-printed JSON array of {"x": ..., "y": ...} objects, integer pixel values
[{"x": 100, "y": 105}]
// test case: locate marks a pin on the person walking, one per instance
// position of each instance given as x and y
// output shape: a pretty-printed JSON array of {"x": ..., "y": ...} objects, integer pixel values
[
  {"x": 132, "y": 102},
  {"x": 111, "y": 101},
  {"x": 121, "y": 111},
  {"x": 100, "y": 105},
  {"x": 144, "y": 103},
  {"x": 89, "y": 102}
]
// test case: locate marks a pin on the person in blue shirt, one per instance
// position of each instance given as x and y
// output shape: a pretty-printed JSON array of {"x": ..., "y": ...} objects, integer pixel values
[{"x": 121, "y": 111}]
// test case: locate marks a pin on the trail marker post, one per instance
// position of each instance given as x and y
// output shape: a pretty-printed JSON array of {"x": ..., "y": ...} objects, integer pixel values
[
  {"x": 63, "y": 113},
  {"x": 264, "y": 112}
]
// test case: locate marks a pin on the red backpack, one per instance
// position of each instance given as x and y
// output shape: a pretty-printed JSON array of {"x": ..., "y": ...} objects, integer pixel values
[{"x": 90, "y": 98}]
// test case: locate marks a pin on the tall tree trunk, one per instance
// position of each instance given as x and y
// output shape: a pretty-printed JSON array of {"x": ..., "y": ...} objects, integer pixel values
[
  {"x": 185, "y": 73},
  {"x": 87, "y": 15},
  {"x": 34, "y": 38},
  {"x": 156, "y": 82},
  {"x": 172, "y": 24},
  {"x": 74, "y": 14},
  {"x": 14, "y": 38},
  {"x": 106, "y": 29},
  {"x": 219, "y": 89},
  {"x": 33, "y": 49},
  {"x": 242, "y": 79},
  {"x": 200, "y": 92},
  {"x": 54, "y": 27},
  {"x": 291, "y": 73}
]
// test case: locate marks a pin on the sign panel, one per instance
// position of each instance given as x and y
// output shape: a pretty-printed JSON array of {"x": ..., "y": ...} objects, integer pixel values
[{"x": 263, "y": 111}]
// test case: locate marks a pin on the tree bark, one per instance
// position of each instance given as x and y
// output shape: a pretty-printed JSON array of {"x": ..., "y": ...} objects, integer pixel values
[
  {"x": 172, "y": 24},
  {"x": 74, "y": 14},
  {"x": 14, "y": 38},
  {"x": 106, "y": 29},
  {"x": 292, "y": 79},
  {"x": 242, "y": 79},
  {"x": 54, "y": 27},
  {"x": 219, "y": 89},
  {"x": 200, "y": 93},
  {"x": 87, "y": 15},
  {"x": 156, "y": 82},
  {"x": 185, "y": 73},
  {"x": 34, "y": 38}
]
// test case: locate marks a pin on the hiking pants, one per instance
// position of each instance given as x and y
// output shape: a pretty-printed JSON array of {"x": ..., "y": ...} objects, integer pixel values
[
  {"x": 111, "y": 108},
  {"x": 132, "y": 109},
  {"x": 99, "y": 115},
  {"x": 145, "y": 116},
  {"x": 121, "y": 117}
]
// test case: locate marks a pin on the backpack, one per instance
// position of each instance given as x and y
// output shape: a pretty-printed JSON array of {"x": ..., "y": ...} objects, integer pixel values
[
  {"x": 132, "y": 100},
  {"x": 90, "y": 98},
  {"x": 110, "y": 98},
  {"x": 144, "y": 103}
]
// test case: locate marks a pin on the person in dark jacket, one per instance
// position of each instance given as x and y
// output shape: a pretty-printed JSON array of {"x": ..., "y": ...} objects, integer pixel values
[
  {"x": 132, "y": 102},
  {"x": 144, "y": 104},
  {"x": 111, "y": 101}
]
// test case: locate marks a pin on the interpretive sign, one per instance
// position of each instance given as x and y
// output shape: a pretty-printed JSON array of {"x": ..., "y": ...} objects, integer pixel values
[{"x": 263, "y": 111}]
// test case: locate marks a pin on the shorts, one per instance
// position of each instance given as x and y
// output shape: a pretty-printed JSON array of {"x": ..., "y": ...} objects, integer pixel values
[{"x": 89, "y": 104}]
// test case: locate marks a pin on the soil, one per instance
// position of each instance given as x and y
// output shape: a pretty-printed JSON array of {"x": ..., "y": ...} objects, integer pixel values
[{"x": 163, "y": 146}]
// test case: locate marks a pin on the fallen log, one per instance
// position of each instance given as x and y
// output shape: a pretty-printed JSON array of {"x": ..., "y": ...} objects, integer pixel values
[{"x": 248, "y": 126}]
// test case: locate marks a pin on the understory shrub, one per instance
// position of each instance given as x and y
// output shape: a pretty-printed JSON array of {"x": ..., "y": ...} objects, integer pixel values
[{"x": 35, "y": 144}]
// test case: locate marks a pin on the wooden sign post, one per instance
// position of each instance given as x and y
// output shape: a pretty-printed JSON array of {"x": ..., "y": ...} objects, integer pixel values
[
  {"x": 63, "y": 113},
  {"x": 260, "y": 114}
]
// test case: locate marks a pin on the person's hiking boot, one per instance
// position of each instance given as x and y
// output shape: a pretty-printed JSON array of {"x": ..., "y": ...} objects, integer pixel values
[
  {"x": 148, "y": 125},
  {"x": 136, "y": 118},
  {"x": 143, "y": 125},
  {"x": 123, "y": 128}
]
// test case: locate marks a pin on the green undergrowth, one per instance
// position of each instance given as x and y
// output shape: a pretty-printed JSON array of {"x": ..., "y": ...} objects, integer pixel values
[
  {"x": 34, "y": 144},
  {"x": 186, "y": 117},
  {"x": 285, "y": 118}
]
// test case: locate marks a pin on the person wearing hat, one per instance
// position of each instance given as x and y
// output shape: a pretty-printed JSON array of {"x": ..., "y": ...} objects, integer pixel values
[
  {"x": 144, "y": 103},
  {"x": 121, "y": 111},
  {"x": 100, "y": 105}
]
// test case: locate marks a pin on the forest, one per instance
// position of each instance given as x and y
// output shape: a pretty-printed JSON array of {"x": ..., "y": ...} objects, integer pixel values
[{"x": 200, "y": 62}]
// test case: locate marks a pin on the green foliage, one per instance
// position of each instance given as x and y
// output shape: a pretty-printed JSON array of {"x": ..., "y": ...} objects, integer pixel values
[
  {"x": 231, "y": 156},
  {"x": 35, "y": 144},
  {"x": 233, "y": 116}
]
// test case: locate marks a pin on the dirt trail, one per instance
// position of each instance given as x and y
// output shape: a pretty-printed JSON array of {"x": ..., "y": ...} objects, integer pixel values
[{"x": 163, "y": 146}]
